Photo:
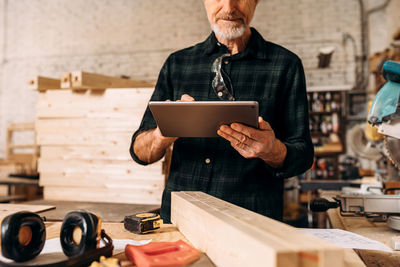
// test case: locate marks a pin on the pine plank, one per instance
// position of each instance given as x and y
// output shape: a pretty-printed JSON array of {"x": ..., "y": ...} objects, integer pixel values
[
  {"x": 88, "y": 124},
  {"x": 66, "y": 80},
  {"x": 65, "y": 152},
  {"x": 126, "y": 167},
  {"x": 85, "y": 139},
  {"x": 145, "y": 182},
  {"x": 233, "y": 236},
  {"x": 115, "y": 195},
  {"x": 81, "y": 79},
  {"x": 41, "y": 83},
  {"x": 70, "y": 104}
]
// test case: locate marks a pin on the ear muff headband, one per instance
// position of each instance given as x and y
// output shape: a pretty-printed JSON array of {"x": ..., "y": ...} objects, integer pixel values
[
  {"x": 86, "y": 250},
  {"x": 89, "y": 225},
  {"x": 82, "y": 260},
  {"x": 24, "y": 248}
]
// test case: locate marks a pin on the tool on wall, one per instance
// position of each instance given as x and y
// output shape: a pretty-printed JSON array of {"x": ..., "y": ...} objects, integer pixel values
[
  {"x": 23, "y": 235},
  {"x": 142, "y": 223}
]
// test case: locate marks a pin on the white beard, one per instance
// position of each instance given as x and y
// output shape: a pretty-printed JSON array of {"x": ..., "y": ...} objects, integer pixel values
[{"x": 229, "y": 33}]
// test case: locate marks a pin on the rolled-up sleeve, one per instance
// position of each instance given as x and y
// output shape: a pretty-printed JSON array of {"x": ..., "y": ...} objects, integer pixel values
[
  {"x": 294, "y": 125},
  {"x": 162, "y": 92}
]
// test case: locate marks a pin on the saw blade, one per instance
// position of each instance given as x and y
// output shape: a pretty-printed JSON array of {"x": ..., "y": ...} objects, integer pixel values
[{"x": 392, "y": 146}]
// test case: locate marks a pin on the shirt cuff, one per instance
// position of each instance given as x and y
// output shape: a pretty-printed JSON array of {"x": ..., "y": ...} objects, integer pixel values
[
  {"x": 133, "y": 155},
  {"x": 288, "y": 168}
]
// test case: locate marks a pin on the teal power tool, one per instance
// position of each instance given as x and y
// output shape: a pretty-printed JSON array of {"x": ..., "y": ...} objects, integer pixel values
[
  {"x": 386, "y": 105},
  {"x": 385, "y": 111}
]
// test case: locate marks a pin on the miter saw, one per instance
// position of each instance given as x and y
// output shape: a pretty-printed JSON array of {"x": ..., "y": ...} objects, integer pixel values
[
  {"x": 385, "y": 111},
  {"x": 385, "y": 116}
]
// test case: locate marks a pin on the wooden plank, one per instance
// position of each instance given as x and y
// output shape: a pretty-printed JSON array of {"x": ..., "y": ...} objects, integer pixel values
[
  {"x": 103, "y": 169},
  {"x": 23, "y": 126},
  {"x": 65, "y": 152},
  {"x": 41, "y": 83},
  {"x": 7, "y": 209},
  {"x": 233, "y": 236},
  {"x": 146, "y": 182},
  {"x": 66, "y": 80},
  {"x": 85, "y": 139},
  {"x": 73, "y": 104},
  {"x": 109, "y": 195},
  {"x": 86, "y": 80},
  {"x": 104, "y": 125}
]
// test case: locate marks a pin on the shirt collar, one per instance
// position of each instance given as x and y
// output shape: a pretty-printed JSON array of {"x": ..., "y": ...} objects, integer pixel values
[{"x": 256, "y": 46}]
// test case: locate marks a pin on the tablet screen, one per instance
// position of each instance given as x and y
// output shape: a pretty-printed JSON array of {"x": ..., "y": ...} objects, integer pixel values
[{"x": 201, "y": 118}]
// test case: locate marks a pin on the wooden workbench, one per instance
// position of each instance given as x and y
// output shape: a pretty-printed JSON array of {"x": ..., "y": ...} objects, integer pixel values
[
  {"x": 378, "y": 231},
  {"x": 108, "y": 212},
  {"x": 167, "y": 233}
]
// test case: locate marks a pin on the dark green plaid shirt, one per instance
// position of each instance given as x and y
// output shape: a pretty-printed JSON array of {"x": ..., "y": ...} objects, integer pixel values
[{"x": 264, "y": 72}]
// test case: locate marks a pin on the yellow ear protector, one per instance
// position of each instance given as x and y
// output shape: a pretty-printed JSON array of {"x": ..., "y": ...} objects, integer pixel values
[{"x": 23, "y": 235}]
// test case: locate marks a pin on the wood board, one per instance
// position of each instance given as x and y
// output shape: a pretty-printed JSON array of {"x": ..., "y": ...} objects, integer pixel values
[
  {"x": 120, "y": 194},
  {"x": 66, "y": 80},
  {"x": 233, "y": 236},
  {"x": 81, "y": 79},
  {"x": 7, "y": 209},
  {"x": 41, "y": 83}
]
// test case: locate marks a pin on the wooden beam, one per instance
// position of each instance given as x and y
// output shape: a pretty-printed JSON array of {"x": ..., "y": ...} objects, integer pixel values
[
  {"x": 66, "y": 80},
  {"x": 233, "y": 236},
  {"x": 86, "y": 80},
  {"x": 41, "y": 83}
]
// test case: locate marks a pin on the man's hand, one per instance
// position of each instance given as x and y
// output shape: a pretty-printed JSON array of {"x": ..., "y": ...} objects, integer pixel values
[
  {"x": 150, "y": 146},
  {"x": 162, "y": 141},
  {"x": 255, "y": 143}
]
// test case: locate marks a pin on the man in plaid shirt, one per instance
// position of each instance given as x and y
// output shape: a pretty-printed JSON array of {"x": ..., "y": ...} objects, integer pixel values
[{"x": 244, "y": 166}]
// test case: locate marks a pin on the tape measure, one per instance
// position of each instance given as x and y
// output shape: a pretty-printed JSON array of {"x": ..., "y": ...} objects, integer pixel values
[{"x": 142, "y": 223}]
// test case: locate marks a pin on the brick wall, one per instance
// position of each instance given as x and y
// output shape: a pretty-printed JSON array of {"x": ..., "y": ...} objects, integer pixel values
[{"x": 134, "y": 37}]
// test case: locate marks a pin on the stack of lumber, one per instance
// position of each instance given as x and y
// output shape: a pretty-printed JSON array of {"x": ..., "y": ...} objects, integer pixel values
[
  {"x": 84, "y": 138},
  {"x": 233, "y": 236}
]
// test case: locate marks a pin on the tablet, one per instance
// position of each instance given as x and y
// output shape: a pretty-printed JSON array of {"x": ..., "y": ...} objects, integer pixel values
[{"x": 201, "y": 118}]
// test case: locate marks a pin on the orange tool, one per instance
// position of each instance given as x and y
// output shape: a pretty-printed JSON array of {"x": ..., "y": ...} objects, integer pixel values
[{"x": 162, "y": 254}]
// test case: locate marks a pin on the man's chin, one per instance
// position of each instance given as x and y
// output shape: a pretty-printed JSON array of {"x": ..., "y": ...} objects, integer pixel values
[{"x": 229, "y": 33}]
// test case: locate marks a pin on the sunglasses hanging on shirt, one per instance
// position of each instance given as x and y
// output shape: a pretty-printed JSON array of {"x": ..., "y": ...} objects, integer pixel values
[{"x": 221, "y": 83}]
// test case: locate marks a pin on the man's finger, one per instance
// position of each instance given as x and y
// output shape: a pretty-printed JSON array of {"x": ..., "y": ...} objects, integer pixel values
[
  {"x": 243, "y": 149},
  {"x": 232, "y": 134},
  {"x": 263, "y": 125},
  {"x": 248, "y": 131},
  {"x": 186, "y": 97}
]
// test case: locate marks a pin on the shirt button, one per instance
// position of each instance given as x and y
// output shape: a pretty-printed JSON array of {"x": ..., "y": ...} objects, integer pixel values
[
  {"x": 208, "y": 161},
  {"x": 220, "y": 94},
  {"x": 219, "y": 44},
  {"x": 226, "y": 62}
]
